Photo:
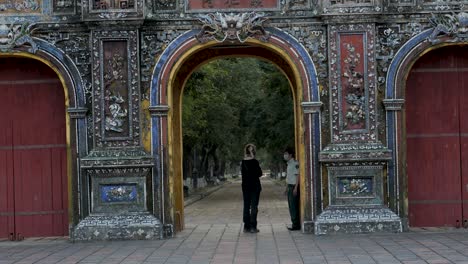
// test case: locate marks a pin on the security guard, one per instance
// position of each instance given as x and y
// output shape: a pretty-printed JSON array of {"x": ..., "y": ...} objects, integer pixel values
[{"x": 292, "y": 179}]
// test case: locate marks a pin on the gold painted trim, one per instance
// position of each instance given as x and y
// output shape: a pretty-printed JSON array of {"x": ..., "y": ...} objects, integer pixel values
[
  {"x": 67, "y": 121},
  {"x": 297, "y": 93}
]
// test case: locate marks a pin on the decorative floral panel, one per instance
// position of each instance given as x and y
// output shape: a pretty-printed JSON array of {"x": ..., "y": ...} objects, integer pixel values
[
  {"x": 118, "y": 193},
  {"x": 355, "y": 186},
  {"x": 116, "y": 95},
  {"x": 352, "y": 83},
  {"x": 209, "y": 5},
  {"x": 115, "y": 99}
]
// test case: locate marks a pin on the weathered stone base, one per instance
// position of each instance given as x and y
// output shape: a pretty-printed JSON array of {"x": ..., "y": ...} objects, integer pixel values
[
  {"x": 347, "y": 220},
  {"x": 308, "y": 227},
  {"x": 118, "y": 227}
]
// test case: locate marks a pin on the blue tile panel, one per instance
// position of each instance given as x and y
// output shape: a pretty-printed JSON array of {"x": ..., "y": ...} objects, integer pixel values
[{"x": 118, "y": 193}]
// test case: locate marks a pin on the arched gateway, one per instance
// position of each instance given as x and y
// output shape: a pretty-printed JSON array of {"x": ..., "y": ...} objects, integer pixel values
[
  {"x": 194, "y": 48},
  {"x": 427, "y": 136},
  {"x": 41, "y": 126}
]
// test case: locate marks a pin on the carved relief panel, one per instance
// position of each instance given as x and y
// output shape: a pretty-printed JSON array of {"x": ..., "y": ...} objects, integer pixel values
[
  {"x": 112, "y": 9},
  {"x": 352, "y": 83},
  {"x": 116, "y": 94},
  {"x": 351, "y": 6},
  {"x": 243, "y": 5},
  {"x": 21, "y": 6},
  {"x": 197, "y": 5},
  {"x": 62, "y": 7},
  {"x": 30, "y": 8},
  {"x": 431, "y": 5}
]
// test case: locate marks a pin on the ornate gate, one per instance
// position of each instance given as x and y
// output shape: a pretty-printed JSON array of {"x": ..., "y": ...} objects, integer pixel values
[
  {"x": 33, "y": 166},
  {"x": 437, "y": 138}
]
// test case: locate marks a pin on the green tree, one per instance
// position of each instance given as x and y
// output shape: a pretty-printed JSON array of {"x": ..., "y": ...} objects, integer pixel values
[{"x": 229, "y": 102}]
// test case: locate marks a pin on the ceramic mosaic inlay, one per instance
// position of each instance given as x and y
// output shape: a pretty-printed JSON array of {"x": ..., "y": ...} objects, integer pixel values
[
  {"x": 118, "y": 193},
  {"x": 355, "y": 186}
]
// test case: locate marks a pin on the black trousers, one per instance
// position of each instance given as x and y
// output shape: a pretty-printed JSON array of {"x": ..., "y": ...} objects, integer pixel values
[
  {"x": 251, "y": 199},
  {"x": 293, "y": 202}
]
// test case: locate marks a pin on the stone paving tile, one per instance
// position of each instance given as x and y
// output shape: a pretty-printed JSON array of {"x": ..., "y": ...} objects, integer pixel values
[{"x": 213, "y": 234}]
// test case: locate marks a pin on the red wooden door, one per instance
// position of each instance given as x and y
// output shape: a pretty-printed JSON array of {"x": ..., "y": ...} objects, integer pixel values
[
  {"x": 462, "y": 66},
  {"x": 6, "y": 164},
  {"x": 37, "y": 171},
  {"x": 436, "y": 122}
]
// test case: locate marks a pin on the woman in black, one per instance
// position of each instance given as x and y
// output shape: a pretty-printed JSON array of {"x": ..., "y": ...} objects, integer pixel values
[{"x": 251, "y": 188}]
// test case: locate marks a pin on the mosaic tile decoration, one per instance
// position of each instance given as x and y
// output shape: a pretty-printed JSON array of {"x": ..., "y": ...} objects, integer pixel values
[{"x": 118, "y": 193}]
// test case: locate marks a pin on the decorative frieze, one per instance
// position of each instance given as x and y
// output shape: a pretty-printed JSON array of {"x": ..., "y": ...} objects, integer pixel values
[
  {"x": 118, "y": 227},
  {"x": 351, "y": 6},
  {"x": 116, "y": 95},
  {"x": 126, "y": 159},
  {"x": 349, "y": 220},
  {"x": 21, "y": 6},
  {"x": 112, "y": 9},
  {"x": 207, "y": 5},
  {"x": 232, "y": 27}
]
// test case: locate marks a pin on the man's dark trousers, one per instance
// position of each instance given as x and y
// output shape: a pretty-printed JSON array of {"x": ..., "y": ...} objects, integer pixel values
[
  {"x": 293, "y": 202},
  {"x": 251, "y": 199}
]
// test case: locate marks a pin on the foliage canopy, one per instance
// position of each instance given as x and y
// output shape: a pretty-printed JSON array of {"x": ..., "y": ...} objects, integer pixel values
[{"x": 230, "y": 102}]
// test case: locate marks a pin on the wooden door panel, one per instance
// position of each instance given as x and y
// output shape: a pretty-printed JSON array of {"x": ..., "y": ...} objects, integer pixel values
[
  {"x": 6, "y": 179},
  {"x": 462, "y": 67},
  {"x": 6, "y": 161},
  {"x": 40, "y": 152},
  {"x": 433, "y": 141},
  {"x": 435, "y": 214},
  {"x": 38, "y": 148}
]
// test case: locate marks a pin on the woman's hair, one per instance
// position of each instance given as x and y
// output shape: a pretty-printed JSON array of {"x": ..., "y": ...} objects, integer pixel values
[{"x": 249, "y": 153}]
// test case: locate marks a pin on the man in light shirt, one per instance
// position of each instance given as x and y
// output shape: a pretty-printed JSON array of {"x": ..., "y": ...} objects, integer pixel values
[{"x": 292, "y": 179}]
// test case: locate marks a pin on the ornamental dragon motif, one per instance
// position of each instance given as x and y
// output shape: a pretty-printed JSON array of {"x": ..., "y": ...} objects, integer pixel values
[
  {"x": 14, "y": 36},
  {"x": 454, "y": 25},
  {"x": 232, "y": 27}
]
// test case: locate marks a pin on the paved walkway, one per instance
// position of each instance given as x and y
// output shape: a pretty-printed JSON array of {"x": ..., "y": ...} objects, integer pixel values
[{"x": 213, "y": 235}]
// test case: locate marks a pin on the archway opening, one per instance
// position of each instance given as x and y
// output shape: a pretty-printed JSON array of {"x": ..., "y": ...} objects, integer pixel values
[
  {"x": 227, "y": 103},
  {"x": 436, "y": 138},
  {"x": 33, "y": 150},
  {"x": 177, "y": 80}
]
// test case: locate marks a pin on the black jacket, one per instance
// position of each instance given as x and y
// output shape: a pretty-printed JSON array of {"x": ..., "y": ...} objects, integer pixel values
[{"x": 251, "y": 173}]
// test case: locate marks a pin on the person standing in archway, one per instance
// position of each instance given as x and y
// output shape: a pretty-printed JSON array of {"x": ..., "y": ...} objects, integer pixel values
[
  {"x": 292, "y": 179},
  {"x": 251, "y": 188}
]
